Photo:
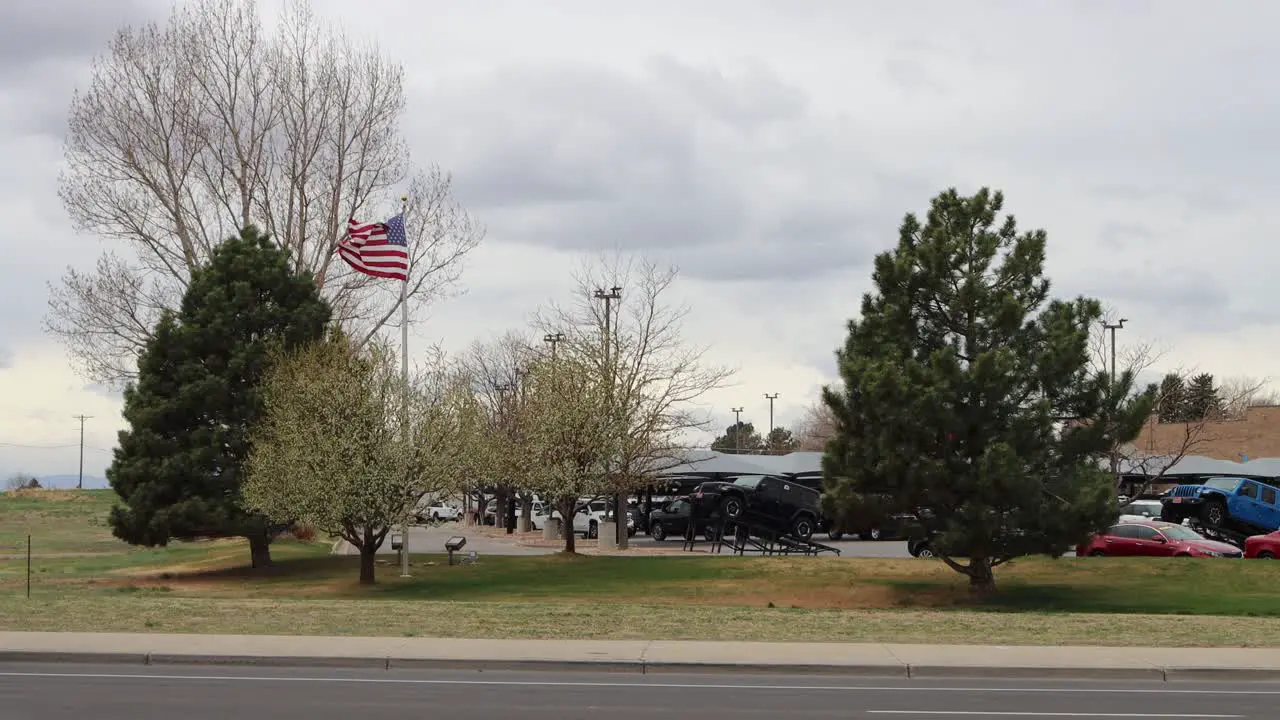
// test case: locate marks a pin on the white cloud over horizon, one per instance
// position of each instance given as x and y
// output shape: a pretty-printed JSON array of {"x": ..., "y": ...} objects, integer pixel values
[{"x": 769, "y": 149}]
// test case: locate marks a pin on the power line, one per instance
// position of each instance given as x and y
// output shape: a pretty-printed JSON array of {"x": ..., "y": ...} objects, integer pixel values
[{"x": 69, "y": 446}]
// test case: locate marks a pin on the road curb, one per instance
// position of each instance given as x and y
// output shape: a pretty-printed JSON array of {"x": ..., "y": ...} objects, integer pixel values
[
  {"x": 940, "y": 672},
  {"x": 748, "y": 668},
  {"x": 918, "y": 672}
]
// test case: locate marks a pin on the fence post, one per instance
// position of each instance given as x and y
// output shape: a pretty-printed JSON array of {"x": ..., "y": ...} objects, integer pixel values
[{"x": 28, "y": 566}]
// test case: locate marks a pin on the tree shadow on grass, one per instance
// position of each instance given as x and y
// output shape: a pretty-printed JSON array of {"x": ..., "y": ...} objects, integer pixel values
[{"x": 1026, "y": 597}]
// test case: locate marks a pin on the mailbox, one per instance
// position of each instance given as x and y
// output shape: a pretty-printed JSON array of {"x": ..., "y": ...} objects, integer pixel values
[
  {"x": 397, "y": 541},
  {"x": 453, "y": 545}
]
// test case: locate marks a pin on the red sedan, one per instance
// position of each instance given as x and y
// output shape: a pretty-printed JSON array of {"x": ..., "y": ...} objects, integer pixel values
[
  {"x": 1155, "y": 539},
  {"x": 1264, "y": 547}
]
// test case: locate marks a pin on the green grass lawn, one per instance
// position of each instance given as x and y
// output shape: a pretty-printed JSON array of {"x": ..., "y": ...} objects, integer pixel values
[{"x": 89, "y": 581}]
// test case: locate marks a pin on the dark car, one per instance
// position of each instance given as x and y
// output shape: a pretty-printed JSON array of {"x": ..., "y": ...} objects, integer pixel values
[
  {"x": 893, "y": 527},
  {"x": 673, "y": 520},
  {"x": 775, "y": 503}
]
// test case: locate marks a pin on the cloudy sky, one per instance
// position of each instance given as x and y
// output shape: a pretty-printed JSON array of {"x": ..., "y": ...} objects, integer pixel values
[{"x": 767, "y": 148}]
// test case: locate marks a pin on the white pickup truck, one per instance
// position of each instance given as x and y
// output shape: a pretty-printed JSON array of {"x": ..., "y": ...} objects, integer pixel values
[
  {"x": 586, "y": 522},
  {"x": 437, "y": 512}
]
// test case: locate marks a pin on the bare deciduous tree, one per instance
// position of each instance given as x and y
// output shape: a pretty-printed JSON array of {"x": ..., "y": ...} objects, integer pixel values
[
  {"x": 497, "y": 368},
  {"x": 1162, "y": 445},
  {"x": 817, "y": 425},
  {"x": 189, "y": 131},
  {"x": 1241, "y": 393},
  {"x": 656, "y": 375}
]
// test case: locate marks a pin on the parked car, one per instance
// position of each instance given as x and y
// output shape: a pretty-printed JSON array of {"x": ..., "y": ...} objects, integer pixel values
[
  {"x": 1154, "y": 539},
  {"x": 1231, "y": 504},
  {"x": 1263, "y": 547},
  {"x": 893, "y": 527},
  {"x": 773, "y": 502},
  {"x": 586, "y": 521},
  {"x": 672, "y": 520},
  {"x": 1139, "y": 510}
]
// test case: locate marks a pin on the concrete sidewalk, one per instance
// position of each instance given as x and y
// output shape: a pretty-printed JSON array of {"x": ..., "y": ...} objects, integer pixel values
[{"x": 647, "y": 656}]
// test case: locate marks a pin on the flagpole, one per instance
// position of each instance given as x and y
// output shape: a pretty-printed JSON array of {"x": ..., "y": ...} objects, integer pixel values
[{"x": 404, "y": 377}]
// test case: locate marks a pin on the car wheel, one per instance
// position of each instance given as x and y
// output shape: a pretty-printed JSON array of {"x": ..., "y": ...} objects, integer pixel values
[
  {"x": 435, "y": 517},
  {"x": 874, "y": 534},
  {"x": 1266, "y": 555},
  {"x": 1096, "y": 553},
  {"x": 835, "y": 536},
  {"x": 593, "y": 531},
  {"x": 1214, "y": 513},
  {"x": 732, "y": 507},
  {"x": 657, "y": 532},
  {"x": 802, "y": 528},
  {"x": 710, "y": 534},
  {"x": 924, "y": 552}
]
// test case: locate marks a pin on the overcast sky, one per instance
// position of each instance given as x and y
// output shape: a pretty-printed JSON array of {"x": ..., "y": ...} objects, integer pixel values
[{"x": 769, "y": 149}]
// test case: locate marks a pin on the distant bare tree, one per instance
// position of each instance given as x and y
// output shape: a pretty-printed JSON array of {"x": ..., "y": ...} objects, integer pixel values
[
  {"x": 1164, "y": 444},
  {"x": 22, "y": 481},
  {"x": 191, "y": 130},
  {"x": 817, "y": 425},
  {"x": 1243, "y": 392},
  {"x": 497, "y": 368},
  {"x": 655, "y": 374}
]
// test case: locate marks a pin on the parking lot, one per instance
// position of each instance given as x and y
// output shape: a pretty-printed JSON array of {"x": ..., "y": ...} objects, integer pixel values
[{"x": 487, "y": 542}]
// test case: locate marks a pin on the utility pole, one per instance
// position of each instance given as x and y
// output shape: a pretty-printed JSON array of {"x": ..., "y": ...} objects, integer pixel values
[
  {"x": 554, "y": 339},
  {"x": 1112, "y": 328},
  {"x": 619, "y": 506},
  {"x": 506, "y": 394},
  {"x": 737, "y": 431},
  {"x": 81, "y": 418}
]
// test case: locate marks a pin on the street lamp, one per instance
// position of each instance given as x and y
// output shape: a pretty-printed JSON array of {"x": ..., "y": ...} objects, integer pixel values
[
  {"x": 737, "y": 430},
  {"x": 771, "y": 398}
]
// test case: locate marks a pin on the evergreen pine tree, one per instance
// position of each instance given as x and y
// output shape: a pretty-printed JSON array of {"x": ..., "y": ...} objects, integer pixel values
[
  {"x": 1202, "y": 400},
  {"x": 967, "y": 394},
  {"x": 179, "y": 465},
  {"x": 1172, "y": 402}
]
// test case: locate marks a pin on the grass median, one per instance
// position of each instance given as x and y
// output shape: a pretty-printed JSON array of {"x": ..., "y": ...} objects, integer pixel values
[{"x": 90, "y": 583}]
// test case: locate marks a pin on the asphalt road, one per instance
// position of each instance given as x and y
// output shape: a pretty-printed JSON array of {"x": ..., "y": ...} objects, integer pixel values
[{"x": 116, "y": 692}]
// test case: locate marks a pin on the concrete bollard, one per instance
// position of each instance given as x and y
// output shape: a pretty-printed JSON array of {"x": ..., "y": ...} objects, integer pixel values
[
  {"x": 608, "y": 536},
  {"x": 551, "y": 529},
  {"x": 522, "y": 525}
]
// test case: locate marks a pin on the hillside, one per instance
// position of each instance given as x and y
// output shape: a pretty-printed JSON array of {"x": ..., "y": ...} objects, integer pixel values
[{"x": 59, "y": 521}]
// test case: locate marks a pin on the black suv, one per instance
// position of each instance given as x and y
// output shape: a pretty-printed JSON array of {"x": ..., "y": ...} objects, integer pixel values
[
  {"x": 777, "y": 503},
  {"x": 673, "y": 519}
]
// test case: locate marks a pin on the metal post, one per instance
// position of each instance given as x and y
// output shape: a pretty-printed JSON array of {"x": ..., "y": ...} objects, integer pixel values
[
  {"x": 404, "y": 379},
  {"x": 737, "y": 431},
  {"x": 28, "y": 566},
  {"x": 81, "y": 418},
  {"x": 619, "y": 506}
]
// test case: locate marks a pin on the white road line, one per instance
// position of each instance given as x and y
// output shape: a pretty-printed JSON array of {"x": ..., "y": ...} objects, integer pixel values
[
  {"x": 989, "y": 713},
  {"x": 662, "y": 685}
]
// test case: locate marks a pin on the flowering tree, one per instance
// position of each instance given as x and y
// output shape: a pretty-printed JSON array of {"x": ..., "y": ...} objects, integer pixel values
[
  {"x": 568, "y": 435},
  {"x": 347, "y": 447}
]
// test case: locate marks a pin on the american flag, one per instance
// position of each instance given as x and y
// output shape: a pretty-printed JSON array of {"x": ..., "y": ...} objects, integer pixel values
[{"x": 377, "y": 249}]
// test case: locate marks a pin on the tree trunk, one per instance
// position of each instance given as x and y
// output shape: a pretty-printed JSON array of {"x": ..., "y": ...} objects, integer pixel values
[
  {"x": 566, "y": 525},
  {"x": 982, "y": 581},
  {"x": 368, "y": 553},
  {"x": 259, "y": 550}
]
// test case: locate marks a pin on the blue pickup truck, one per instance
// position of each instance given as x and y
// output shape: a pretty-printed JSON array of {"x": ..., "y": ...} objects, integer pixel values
[{"x": 1228, "y": 506}]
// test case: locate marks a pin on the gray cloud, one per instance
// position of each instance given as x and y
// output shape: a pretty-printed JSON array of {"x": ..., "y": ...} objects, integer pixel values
[
  {"x": 6, "y": 358},
  {"x": 32, "y": 33},
  {"x": 730, "y": 175}
]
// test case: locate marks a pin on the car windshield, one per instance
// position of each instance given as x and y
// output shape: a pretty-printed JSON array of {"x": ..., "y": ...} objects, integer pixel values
[
  {"x": 1178, "y": 532},
  {"x": 1222, "y": 483},
  {"x": 748, "y": 481}
]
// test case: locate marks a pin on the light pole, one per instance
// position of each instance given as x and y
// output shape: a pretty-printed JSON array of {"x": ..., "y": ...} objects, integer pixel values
[
  {"x": 81, "y": 418},
  {"x": 506, "y": 392},
  {"x": 771, "y": 398},
  {"x": 1112, "y": 328},
  {"x": 619, "y": 507},
  {"x": 553, "y": 339},
  {"x": 737, "y": 431}
]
